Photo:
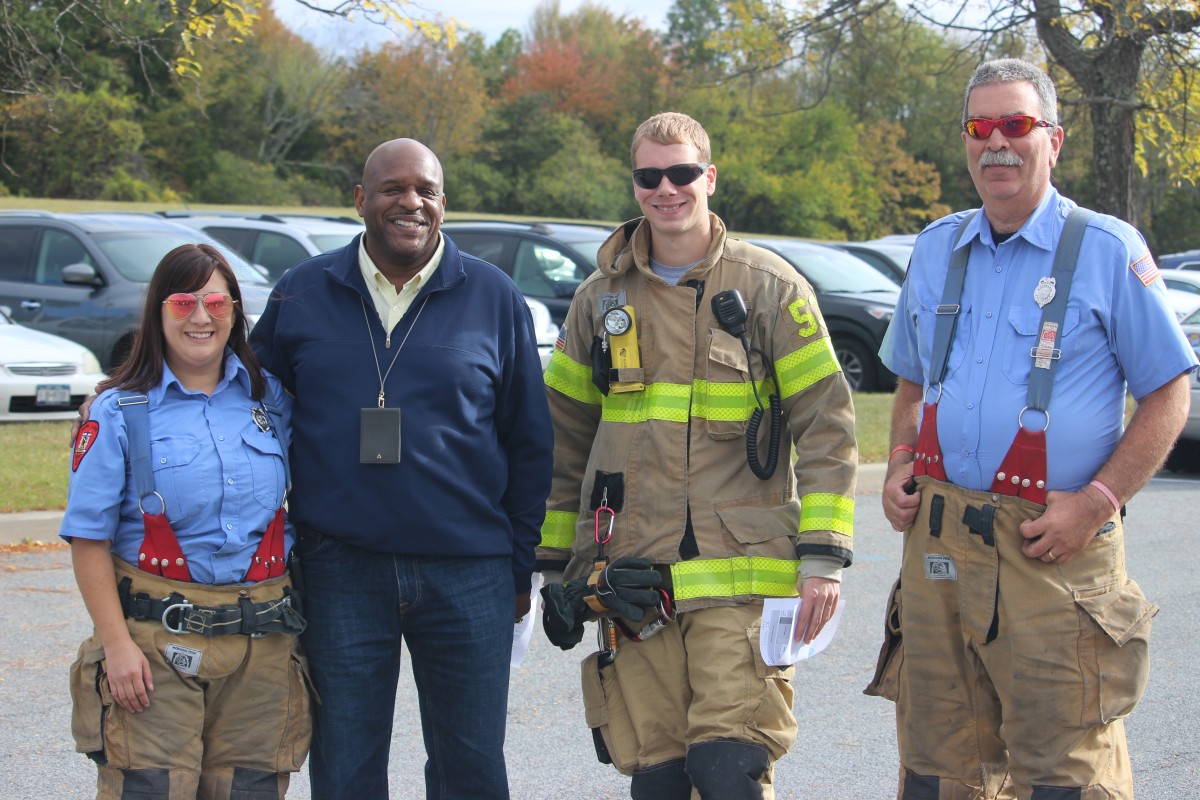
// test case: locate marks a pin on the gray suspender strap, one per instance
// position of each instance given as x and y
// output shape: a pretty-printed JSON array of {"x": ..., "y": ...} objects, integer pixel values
[
  {"x": 1045, "y": 354},
  {"x": 949, "y": 309},
  {"x": 136, "y": 408}
]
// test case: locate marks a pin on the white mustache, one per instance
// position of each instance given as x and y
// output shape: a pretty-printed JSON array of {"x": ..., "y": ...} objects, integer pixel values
[{"x": 1000, "y": 158}]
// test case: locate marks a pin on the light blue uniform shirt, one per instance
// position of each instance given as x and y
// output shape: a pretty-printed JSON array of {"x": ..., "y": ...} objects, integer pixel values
[
  {"x": 221, "y": 477},
  {"x": 1118, "y": 331}
]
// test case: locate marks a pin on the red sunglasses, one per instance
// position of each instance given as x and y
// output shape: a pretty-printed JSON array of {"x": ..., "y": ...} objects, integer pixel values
[
  {"x": 181, "y": 305},
  {"x": 1013, "y": 127}
]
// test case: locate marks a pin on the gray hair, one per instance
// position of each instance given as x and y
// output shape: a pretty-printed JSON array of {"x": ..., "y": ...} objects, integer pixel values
[{"x": 1010, "y": 70}]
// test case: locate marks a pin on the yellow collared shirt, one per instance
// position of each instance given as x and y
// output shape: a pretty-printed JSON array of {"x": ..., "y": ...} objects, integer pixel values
[{"x": 390, "y": 303}]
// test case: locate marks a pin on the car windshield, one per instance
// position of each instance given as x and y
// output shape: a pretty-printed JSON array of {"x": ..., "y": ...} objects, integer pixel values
[
  {"x": 136, "y": 253},
  {"x": 1193, "y": 318},
  {"x": 590, "y": 249},
  {"x": 830, "y": 270},
  {"x": 332, "y": 241}
]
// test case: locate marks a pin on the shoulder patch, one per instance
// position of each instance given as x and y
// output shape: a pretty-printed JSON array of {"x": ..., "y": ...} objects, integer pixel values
[
  {"x": 83, "y": 442},
  {"x": 1145, "y": 269},
  {"x": 560, "y": 343}
]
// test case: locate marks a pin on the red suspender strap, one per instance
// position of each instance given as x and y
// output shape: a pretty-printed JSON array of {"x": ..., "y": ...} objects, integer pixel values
[{"x": 268, "y": 559}]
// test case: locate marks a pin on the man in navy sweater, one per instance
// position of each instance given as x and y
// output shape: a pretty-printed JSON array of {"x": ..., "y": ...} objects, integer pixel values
[{"x": 421, "y": 455}]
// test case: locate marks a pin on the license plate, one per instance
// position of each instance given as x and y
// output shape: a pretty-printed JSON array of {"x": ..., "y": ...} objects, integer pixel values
[{"x": 53, "y": 394}]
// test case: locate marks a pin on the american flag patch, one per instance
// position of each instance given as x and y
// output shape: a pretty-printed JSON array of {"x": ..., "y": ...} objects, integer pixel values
[
  {"x": 1145, "y": 269},
  {"x": 561, "y": 342}
]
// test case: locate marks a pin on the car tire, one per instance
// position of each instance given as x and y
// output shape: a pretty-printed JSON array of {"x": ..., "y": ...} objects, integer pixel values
[{"x": 858, "y": 363}]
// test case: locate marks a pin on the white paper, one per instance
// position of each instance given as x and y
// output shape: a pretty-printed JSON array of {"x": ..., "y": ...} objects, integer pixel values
[
  {"x": 776, "y": 639},
  {"x": 523, "y": 631}
]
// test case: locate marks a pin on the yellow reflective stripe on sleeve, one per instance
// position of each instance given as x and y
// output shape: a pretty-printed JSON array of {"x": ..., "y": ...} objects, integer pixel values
[
  {"x": 801, "y": 369},
  {"x": 663, "y": 401},
  {"x": 558, "y": 529},
  {"x": 734, "y": 577},
  {"x": 827, "y": 512},
  {"x": 726, "y": 401},
  {"x": 572, "y": 379}
]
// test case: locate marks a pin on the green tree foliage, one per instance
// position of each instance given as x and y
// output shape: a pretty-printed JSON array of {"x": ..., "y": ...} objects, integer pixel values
[{"x": 69, "y": 144}]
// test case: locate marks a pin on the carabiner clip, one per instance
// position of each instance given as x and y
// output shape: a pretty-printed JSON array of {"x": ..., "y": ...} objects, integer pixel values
[{"x": 612, "y": 517}]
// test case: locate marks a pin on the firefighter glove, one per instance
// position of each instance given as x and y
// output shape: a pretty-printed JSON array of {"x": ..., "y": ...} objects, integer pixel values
[{"x": 627, "y": 587}]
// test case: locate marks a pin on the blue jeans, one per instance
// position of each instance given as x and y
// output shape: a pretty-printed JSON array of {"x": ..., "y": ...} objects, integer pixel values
[{"x": 456, "y": 616}]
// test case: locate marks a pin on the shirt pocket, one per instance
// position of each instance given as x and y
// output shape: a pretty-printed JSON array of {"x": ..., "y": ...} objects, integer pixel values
[
  {"x": 1022, "y": 337},
  {"x": 727, "y": 397},
  {"x": 183, "y": 486},
  {"x": 265, "y": 455},
  {"x": 926, "y": 322}
]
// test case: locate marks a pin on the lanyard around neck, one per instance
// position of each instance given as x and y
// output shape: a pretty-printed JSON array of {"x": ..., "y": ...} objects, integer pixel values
[{"x": 371, "y": 338}]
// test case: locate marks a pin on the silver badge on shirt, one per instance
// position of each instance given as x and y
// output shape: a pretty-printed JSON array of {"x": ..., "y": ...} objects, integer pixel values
[
  {"x": 260, "y": 418},
  {"x": 1044, "y": 292}
]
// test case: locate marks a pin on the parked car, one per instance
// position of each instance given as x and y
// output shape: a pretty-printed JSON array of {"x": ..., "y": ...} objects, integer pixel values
[
  {"x": 1183, "y": 290},
  {"x": 275, "y": 242},
  {"x": 42, "y": 377},
  {"x": 1189, "y": 260},
  {"x": 83, "y": 276},
  {"x": 856, "y": 300},
  {"x": 890, "y": 258},
  {"x": 547, "y": 260},
  {"x": 1191, "y": 430}
]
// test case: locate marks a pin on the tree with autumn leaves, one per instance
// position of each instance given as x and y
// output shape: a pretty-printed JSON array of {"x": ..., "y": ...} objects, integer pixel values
[{"x": 829, "y": 119}]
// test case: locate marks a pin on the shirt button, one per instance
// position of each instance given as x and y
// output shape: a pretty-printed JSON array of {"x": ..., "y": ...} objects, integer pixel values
[
  {"x": 230, "y": 481},
  {"x": 965, "y": 454},
  {"x": 162, "y": 461},
  {"x": 220, "y": 438},
  {"x": 228, "y": 526},
  {"x": 969, "y": 405},
  {"x": 979, "y": 361},
  {"x": 988, "y": 315},
  {"x": 998, "y": 269}
]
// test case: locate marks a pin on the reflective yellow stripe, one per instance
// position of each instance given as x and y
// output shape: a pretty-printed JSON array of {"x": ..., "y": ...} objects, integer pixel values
[
  {"x": 733, "y": 577},
  {"x": 664, "y": 401},
  {"x": 558, "y": 530},
  {"x": 572, "y": 379},
  {"x": 801, "y": 369},
  {"x": 827, "y": 512},
  {"x": 726, "y": 401}
]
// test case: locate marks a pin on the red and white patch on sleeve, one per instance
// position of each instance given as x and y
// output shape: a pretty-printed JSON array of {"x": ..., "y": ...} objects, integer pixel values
[
  {"x": 1145, "y": 269},
  {"x": 84, "y": 441}
]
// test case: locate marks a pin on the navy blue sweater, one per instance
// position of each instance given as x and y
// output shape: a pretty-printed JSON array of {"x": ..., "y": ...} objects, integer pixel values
[{"x": 476, "y": 442}]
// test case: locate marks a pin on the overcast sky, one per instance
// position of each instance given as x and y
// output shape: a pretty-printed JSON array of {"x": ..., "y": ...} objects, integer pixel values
[{"x": 489, "y": 17}]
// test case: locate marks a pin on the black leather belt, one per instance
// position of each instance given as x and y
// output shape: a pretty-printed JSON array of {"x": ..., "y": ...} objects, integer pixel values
[{"x": 177, "y": 615}]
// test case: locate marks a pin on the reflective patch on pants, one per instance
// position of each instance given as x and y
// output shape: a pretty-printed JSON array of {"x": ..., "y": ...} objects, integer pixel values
[{"x": 939, "y": 567}]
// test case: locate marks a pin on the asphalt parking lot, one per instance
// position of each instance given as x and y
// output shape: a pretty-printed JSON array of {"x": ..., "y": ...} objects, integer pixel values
[{"x": 845, "y": 750}]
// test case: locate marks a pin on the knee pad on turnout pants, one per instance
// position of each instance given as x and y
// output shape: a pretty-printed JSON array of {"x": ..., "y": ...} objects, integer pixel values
[{"x": 727, "y": 770}]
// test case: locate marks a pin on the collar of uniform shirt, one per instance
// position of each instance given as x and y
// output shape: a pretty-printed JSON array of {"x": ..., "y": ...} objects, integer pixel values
[{"x": 391, "y": 304}]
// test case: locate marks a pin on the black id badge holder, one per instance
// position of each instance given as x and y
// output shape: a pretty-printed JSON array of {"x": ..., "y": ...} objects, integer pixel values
[{"x": 379, "y": 436}]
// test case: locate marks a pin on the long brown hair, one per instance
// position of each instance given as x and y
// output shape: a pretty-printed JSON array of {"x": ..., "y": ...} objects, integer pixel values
[{"x": 184, "y": 269}]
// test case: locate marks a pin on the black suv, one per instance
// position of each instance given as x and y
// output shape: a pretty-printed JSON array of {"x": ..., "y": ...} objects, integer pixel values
[
  {"x": 83, "y": 276},
  {"x": 547, "y": 260},
  {"x": 856, "y": 301}
]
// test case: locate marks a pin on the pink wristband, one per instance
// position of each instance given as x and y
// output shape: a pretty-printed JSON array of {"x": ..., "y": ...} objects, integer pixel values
[
  {"x": 1104, "y": 490},
  {"x": 901, "y": 448}
]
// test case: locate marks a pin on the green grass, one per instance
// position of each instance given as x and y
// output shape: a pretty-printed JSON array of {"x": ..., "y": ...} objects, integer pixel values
[
  {"x": 35, "y": 467},
  {"x": 37, "y": 455}
]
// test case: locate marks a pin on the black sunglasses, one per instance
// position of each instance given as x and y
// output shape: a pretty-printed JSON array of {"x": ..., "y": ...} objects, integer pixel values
[{"x": 678, "y": 174}]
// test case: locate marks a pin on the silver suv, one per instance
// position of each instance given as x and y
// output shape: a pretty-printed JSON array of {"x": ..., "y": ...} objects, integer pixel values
[
  {"x": 275, "y": 242},
  {"x": 83, "y": 276}
]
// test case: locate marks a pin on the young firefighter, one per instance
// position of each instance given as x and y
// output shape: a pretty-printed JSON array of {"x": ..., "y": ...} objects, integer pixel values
[{"x": 689, "y": 366}]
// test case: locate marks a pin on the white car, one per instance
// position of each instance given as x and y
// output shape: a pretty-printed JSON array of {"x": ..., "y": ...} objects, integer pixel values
[
  {"x": 1191, "y": 329},
  {"x": 42, "y": 376},
  {"x": 1183, "y": 287},
  {"x": 544, "y": 328}
]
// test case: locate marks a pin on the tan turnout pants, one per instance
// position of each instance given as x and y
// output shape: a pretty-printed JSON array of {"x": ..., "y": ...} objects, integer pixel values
[
  {"x": 237, "y": 728},
  {"x": 699, "y": 680},
  {"x": 1012, "y": 675}
]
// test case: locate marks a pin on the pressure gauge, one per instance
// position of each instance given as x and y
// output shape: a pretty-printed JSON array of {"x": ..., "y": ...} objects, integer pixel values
[{"x": 617, "y": 321}]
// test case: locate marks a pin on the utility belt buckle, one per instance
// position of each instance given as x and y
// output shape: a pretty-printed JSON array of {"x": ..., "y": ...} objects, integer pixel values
[{"x": 180, "y": 607}]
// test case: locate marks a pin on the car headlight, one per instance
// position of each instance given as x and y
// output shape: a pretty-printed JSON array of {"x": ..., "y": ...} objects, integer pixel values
[
  {"x": 91, "y": 364},
  {"x": 881, "y": 312}
]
